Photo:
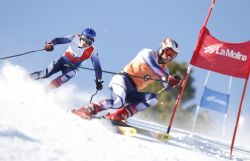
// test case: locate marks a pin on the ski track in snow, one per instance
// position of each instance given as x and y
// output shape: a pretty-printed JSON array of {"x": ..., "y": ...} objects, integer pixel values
[{"x": 36, "y": 124}]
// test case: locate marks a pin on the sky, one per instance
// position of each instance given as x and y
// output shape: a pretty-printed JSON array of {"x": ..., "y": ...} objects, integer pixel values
[
  {"x": 42, "y": 129},
  {"x": 123, "y": 29}
]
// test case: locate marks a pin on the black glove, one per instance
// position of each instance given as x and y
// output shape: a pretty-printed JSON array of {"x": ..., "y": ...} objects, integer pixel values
[
  {"x": 49, "y": 47},
  {"x": 99, "y": 85}
]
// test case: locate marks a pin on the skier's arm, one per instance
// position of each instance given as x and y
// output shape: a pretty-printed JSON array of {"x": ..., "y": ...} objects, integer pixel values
[
  {"x": 97, "y": 66},
  {"x": 62, "y": 40},
  {"x": 49, "y": 46},
  {"x": 171, "y": 82},
  {"x": 98, "y": 70}
]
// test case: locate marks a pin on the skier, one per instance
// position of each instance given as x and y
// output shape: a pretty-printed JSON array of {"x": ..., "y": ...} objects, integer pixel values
[
  {"x": 80, "y": 49},
  {"x": 125, "y": 89}
]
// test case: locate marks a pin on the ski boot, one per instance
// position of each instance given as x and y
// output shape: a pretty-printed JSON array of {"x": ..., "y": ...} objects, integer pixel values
[
  {"x": 121, "y": 114},
  {"x": 86, "y": 112},
  {"x": 56, "y": 83}
]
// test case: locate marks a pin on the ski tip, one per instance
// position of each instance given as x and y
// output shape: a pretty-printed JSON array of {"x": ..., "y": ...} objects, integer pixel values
[
  {"x": 127, "y": 131},
  {"x": 161, "y": 136}
]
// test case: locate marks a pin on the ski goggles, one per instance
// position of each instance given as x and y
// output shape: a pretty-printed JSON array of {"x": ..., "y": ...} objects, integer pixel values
[{"x": 88, "y": 41}]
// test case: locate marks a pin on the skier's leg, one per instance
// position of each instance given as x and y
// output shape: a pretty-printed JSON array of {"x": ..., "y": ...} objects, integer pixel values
[
  {"x": 53, "y": 68},
  {"x": 121, "y": 86},
  {"x": 137, "y": 101},
  {"x": 141, "y": 101},
  {"x": 119, "y": 89},
  {"x": 62, "y": 79},
  {"x": 117, "y": 99},
  {"x": 127, "y": 100}
]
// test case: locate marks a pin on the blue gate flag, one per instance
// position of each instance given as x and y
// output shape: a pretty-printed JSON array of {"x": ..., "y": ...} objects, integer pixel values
[{"x": 214, "y": 100}]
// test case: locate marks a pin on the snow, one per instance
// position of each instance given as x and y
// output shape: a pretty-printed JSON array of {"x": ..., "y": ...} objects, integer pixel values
[{"x": 35, "y": 124}]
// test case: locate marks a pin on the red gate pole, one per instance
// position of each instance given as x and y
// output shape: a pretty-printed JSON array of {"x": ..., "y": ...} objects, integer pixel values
[
  {"x": 179, "y": 96},
  {"x": 189, "y": 70},
  {"x": 209, "y": 13}
]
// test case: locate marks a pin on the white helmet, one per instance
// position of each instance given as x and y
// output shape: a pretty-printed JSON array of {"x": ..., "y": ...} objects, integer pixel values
[{"x": 169, "y": 43}]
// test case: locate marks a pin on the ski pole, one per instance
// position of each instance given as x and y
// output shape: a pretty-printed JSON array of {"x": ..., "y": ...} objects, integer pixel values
[
  {"x": 25, "y": 53},
  {"x": 93, "y": 96},
  {"x": 145, "y": 77},
  {"x": 159, "y": 92}
]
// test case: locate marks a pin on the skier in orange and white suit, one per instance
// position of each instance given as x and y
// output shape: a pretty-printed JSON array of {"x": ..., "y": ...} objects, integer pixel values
[{"x": 125, "y": 89}]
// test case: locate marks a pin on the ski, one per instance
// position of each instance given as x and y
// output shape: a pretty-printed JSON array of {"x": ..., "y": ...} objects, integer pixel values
[
  {"x": 133, "y": 128},
  {"x": 116, "y": 127},
  {"x": 126, "y": 131},
  {"x": 142, "y": 129}
]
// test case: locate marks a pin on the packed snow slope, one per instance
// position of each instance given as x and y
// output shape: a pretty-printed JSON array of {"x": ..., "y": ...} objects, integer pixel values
[{"x": 36, "y": 125}]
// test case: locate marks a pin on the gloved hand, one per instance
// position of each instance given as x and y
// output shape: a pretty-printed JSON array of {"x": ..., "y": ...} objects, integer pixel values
[
  {"x": 174, "y": 80},
  {"x": 99, "y": 85},
  {"x": 49, "y": 47}
]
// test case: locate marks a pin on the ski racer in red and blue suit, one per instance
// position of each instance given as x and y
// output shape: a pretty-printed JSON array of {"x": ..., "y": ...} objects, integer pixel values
[{"x": 80, "y": 49}]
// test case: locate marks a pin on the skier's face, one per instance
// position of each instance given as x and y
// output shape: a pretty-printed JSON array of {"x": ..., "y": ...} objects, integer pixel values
[
  {"x": 168, "y": 55},
  {"x": 85, "y": 42}
]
